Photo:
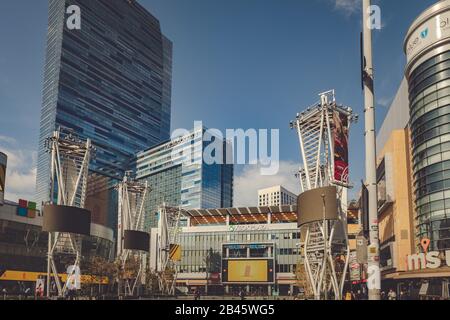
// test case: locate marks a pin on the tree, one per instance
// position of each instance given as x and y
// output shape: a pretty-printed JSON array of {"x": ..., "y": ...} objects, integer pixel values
[
  {"x": 100, "y": 269},
  {"x": 213, "y": 261}
]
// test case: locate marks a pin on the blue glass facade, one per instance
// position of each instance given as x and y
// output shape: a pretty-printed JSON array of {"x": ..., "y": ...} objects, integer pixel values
[
  {"x": 178, "y": 176},
  {"x": 109, "y": 81}
]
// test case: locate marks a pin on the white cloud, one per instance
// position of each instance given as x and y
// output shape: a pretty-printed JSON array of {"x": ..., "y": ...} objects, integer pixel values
[
  {"x": 250, "y": 180},
  {"x": 385, "y": 102},
  {"x": 348, "y": 7},
  {"x": 7, "y": 140},
  {"x": 20, "y": 171}
]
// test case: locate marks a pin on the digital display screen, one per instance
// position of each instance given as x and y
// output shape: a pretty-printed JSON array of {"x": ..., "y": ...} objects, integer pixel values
[{"x": 247, "y": 271}]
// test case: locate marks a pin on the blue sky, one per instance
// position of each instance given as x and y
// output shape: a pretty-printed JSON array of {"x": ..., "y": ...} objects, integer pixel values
[{"x": 237, "y": 64}]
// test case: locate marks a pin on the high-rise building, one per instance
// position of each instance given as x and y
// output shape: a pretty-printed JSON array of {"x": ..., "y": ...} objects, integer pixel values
[
  {"x": 109, "y": 81},
  {"x": 427, "y": 47},
  {"x": 178, "y": 176},
  {"x": 276, "y": 196}
]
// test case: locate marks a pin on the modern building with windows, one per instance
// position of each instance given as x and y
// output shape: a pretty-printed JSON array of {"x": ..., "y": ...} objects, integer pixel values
[
  {"x": 413, "y": 163},
  {"x": 110, "y": 81},
  {"x": 224, "y": 251},
  {"x": 23, "y": 246},
  {"x": 395, "y": 189},
  {"x": 427, "y": 47},
  {"x": 276, "y": 196},
  {"x": 178, "y": 176}
]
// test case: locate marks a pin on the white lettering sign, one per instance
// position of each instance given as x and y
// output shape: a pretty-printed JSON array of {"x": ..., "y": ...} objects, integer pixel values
[{"x": 430, "y": 260}]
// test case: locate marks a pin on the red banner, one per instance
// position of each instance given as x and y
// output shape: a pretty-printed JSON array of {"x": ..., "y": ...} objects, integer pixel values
[{"x": 340, "y": 133}]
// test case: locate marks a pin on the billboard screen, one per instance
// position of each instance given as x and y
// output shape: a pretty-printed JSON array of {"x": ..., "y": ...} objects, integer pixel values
[
  {"x": 3, "y": 159},
  {"x": 340, "y": 134},
  {"x": 247, "y": 271}
]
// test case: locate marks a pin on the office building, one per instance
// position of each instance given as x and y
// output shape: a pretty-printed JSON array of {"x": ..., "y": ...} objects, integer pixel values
[
  {"x": 413, "y": 158},
  {"x": 178, "y": 176},
  {"x": 109, "y": 81},
  {"x": 276, "y": 196},
  {"x": 427, "y": 47}
]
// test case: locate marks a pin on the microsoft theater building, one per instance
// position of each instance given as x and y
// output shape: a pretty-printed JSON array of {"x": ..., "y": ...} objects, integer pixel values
[
  {"x": 427, "y": 48},
  {"x": 224, "y": 251}
]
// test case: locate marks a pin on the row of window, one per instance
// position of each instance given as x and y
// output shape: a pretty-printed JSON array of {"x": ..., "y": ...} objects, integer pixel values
[{"x": 429, "y": 91}]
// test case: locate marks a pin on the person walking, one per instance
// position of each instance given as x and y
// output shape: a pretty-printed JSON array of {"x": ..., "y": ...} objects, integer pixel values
[
  {"x": 197, "y": 294},
  {"x": 242, "y": 294}
]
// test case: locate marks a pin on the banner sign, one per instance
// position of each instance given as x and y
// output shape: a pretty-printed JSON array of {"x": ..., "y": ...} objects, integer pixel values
[
  {"x": 340, "y": 136},
  {"x": 175, "y": 252},
  {"x": 355, "y": 268},
  {"x": 3, "y": 160},
  {"x": 40, "y": 284}
]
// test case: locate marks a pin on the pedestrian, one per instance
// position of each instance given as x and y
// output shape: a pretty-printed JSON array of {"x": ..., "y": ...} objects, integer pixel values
[
  {"x": 27, "y": 292},
  {"x": 242, "y": 294},
  {"x": 5, "y": 293},
  {"x": 392, "y": 295},
  {"x": 359, "y": 295},
  {"x": 383, "y": 295},
  {"x": 197, "y": 294}
]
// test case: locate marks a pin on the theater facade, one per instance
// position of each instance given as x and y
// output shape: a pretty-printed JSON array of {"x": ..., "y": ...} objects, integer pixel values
[{"x": 224, "y": 251}]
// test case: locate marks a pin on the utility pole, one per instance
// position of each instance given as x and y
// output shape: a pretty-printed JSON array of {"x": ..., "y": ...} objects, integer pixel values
[
  {"x": 374, "y": 281},
  {"x": 325, "y": 246}
]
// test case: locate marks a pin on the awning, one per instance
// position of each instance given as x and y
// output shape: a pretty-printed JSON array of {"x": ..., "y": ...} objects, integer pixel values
[{"x": 244, "y": 215}]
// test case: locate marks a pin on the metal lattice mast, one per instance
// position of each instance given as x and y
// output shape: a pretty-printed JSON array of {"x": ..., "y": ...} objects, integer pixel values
[
  {"x": 315, "y": 132},
  {"x": 70, "y": 157},
  {"x": 132, "y": 196},
  {"x": 168, "y": 231}
]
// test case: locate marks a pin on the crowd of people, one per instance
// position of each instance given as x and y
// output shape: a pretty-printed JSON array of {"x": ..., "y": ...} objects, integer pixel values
[{"x": 390, "y": 295}]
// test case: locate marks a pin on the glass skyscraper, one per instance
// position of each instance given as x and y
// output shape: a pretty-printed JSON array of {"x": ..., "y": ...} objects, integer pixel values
[
  {"x": 178, "y": 176},
  {"x": 109, "y": 81}
]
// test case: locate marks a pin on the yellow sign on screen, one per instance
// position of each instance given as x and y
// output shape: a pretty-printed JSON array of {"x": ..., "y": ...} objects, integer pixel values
[
  {"x": 247, "y": 271},
  {"x": 175, "y": 252}
]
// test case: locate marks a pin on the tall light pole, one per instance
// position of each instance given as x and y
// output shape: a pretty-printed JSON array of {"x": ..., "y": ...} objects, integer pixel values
[{"x": 374, "y": 281}]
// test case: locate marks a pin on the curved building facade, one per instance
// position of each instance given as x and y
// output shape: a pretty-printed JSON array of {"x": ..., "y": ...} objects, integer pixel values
[{"x": 427, "y": 47}]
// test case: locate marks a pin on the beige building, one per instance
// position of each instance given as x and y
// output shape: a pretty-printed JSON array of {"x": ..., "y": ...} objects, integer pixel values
[
  {"x": 276, "y": 196},
  {"x": 395, "y": 203}
]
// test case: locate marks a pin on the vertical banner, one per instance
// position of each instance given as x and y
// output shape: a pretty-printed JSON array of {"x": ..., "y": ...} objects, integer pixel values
[
  {"x": 3, "y": 161},
  {"x": 355, "y": 268},
  {"x": 40, "y": 285},
  {"x": 340, "y": 136}
]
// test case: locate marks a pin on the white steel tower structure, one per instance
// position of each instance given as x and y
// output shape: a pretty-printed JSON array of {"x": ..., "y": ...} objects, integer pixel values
[
  {"x": 132, "y": 196},
  {"x": 325, "y": 241},
  {"x": 70, "y": 159},
  {"x": 168, "y": 230}
]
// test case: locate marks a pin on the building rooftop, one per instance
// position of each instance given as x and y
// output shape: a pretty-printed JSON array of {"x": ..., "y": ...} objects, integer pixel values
[{"x": 244, "y": 215}]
